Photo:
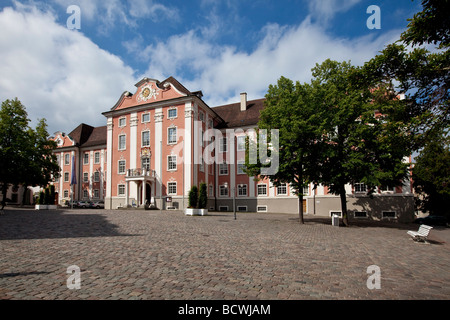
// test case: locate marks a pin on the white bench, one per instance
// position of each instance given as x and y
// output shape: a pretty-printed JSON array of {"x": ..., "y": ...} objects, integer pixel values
[{"x": 421, "y": 234}]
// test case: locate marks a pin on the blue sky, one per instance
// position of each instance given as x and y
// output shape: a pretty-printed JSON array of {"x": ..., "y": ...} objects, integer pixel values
[{"x": 220, "y": 47}]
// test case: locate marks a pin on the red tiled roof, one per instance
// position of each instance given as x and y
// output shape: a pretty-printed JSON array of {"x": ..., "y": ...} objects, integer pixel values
[{"x": 234, "y": 117}]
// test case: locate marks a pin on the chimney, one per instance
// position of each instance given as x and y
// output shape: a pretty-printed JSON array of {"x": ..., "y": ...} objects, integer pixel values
[{"x": 243, "y": 101}]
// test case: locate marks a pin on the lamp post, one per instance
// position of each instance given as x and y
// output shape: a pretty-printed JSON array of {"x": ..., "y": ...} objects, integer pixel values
[{"x": 234, "y": 199}]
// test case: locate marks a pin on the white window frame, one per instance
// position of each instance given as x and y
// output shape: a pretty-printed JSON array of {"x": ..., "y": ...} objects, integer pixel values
[
  {"x": 201, "y": 116},
  {"x": 96, "y": 194},
  {"x": 221, "y": 188},
  {"x": 172, "y": 109},
  {"x": 66, "y": 193},
  {"x": 240, "y": 145},
  {"x": 96, "y": 157},
  {"x": 66, "y": 175},
  {"x": 85, "y": 194},
  {"x": 263, "y": 210},
  {"x": 265, "y": 189},
  {"x": 124, "y": 166},
  {"x": 85, "y": 177},
  {"x": 169, "y": 141},
  {"x": 170, "y": 185},
  {"x": 142, "y": 138},
  {"x": 124, "y": 120},
  {"x": 171, "y": 163},
  {"x": 144, "y": 166},
  {"x": 211, "y": 190},
  {"x": 284, "y": 193},
  {"x": 360, "y": 186},
  {"x": 145, "y": 114},
  {"x": 240, "y": 165},
  {"x": 238, "y": 208},
  {"x": 119, "y": 187},
  {"x": 67, "y": 159},
  {"x": 125, "y": 142},
  {"x": 86, "y": 158},
  {"x": 223, "y": 144},
  {"x": 96, "y": 176},
  {"x": 240, "y": 188},
  {"x": 221, "y": 171}
]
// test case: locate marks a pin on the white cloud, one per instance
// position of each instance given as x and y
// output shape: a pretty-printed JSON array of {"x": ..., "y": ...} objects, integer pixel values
[
  {"x": 324, "y": 10},
  {"x": 57, "y": 73},
  {"x": 222, "y": 72}
]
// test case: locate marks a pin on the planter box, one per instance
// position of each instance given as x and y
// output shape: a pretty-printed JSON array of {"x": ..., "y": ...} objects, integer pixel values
[
  {"x": 195, "y": 212},
  {"x": 41, "y": 207}
]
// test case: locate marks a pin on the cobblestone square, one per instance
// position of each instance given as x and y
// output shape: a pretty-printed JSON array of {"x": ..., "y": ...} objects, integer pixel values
[{"x": 150, "y": 255}]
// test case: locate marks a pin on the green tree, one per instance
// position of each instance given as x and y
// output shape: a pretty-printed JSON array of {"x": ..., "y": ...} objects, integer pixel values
[
  {"x": 431, "y": 177},
  {"x": 26, "y": 154},
  {"x": 297, "y": 137},
  {"x": 361, "y": 143}
]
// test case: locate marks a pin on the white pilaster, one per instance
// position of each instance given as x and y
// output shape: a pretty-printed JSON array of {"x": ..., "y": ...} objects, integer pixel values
[
  {"x": 159, "y": 115},
  {"x": 109, "y": 156},
  {"x": 187, "y": 152}
]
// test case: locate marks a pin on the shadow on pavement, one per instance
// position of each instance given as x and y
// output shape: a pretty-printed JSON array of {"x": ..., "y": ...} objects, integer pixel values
[{"x": 32, "y": 224}]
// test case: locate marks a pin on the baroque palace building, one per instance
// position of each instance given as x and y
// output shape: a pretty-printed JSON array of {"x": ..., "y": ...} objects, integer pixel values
[{"x": 161, "y": 140}]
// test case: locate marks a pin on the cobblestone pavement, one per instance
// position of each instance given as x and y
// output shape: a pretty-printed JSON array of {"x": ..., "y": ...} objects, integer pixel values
[{"x": 166, "y": 255}]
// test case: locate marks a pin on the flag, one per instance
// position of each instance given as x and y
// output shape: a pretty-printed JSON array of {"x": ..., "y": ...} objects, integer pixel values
[{"x": 74, "y": 175}]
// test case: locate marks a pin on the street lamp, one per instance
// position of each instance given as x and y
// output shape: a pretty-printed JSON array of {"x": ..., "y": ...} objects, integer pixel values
[{"x": 234, "y": 199}]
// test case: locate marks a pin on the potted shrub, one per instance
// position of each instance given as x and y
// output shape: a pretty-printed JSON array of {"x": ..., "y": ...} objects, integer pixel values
[
  {"x": 41, "y": 202},
  {"x": 191, "y": 210}
]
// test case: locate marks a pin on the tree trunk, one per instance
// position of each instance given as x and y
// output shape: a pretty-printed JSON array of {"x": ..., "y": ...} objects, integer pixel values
[
  {"x": 343, "y": 196},
  {"x": 300, "y": 211}
]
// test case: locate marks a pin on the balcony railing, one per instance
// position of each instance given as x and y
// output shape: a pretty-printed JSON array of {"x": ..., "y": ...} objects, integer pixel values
[{"x": 140, "y": 172}]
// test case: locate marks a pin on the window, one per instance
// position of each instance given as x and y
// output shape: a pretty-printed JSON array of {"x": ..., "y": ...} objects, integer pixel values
[
  {"x": 172, "y": 113},
  {"x": 145, "y": 138},
  {"x": 360, "y": 214},
  {"x": 261, "y": 208},
  {"x": 202, "y": 166},
  {"x": 172, "y": 135},
  {"x": 223, "y": 191},
  {"x": 210, "y": 123},
  {"x": 96, "y": 193},
  {"x": 242, "y": 189},
  {"x": 282, "y": 190},
  {"x": 262, "y": 189},
  {"x": 171, "y": 162},
  {"x": 85, "y": 194},
  {"x": 223, "y": 208},
  {"x": 97, "y": 157},
  {"x": 86, "y": 158},
  {"x": 145, "y": 117},
  {"x": 58, "y": 159},
  {"x": 305, "y": 191},
  {"x": 122, "y": 142},
  {"x": 172, "y": 188},
  {"x": 389, "y": 214},
  {"x": 240, "y": 167},
  {"x": 242, "y": 208},
  {"x": 67, "y": 159},
  {"x": 96, "y": 176},
  {"x": 387, "y": 189},
  {"x": 201, "y": 116},
  {"x": 211, "y": 190},
  {"x": 146, "y": 163},
  {"x": 66, "y": 177},
  {"x": 223, "y": 169},
  {"x": 122, "y": 122},
  {"x": 122, "y": 168},
  {"x": 223, "y": 145},
  {"x": 85, "y": 177},
  {"x": 241, "y": 143},
  {"x": 121, "y": 189},
  {"x": 66, "y": 193},
  {"x": 360, "y": 187}
]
